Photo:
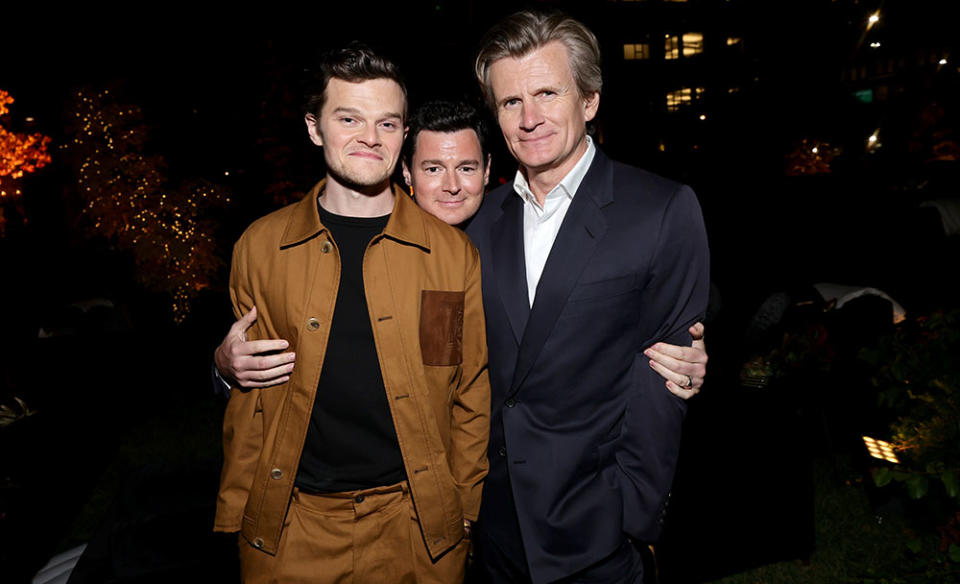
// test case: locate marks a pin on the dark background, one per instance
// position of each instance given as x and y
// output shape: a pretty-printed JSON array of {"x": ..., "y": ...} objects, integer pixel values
[{"x": 126, "y": 430}]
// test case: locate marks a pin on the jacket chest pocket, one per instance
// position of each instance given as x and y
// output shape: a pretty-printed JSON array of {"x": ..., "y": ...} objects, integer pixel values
[{"x": 441, "y": 327}]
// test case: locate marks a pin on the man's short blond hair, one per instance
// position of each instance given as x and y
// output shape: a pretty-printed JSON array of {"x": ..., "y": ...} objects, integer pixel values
[{"x": 524, "y": 32}]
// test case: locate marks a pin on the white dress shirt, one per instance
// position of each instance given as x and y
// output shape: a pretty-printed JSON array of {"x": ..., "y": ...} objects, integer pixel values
[{"x": 541, "y": 223}]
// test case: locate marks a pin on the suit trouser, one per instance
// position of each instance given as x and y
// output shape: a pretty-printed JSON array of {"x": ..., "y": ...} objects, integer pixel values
[
  {"x": 493, "y": 566},
  {"x": 354, "y": 537}
]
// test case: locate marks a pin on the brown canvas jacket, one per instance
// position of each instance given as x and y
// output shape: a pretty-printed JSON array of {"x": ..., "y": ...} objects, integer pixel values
[{"x": 422, "y": 281}]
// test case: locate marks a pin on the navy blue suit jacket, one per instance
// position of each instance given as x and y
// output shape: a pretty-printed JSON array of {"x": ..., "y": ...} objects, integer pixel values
[{"x": 584, "y": 435}]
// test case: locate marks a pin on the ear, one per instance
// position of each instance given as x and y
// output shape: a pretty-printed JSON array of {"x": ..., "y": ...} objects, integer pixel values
[
  {"x": 486, "y": 171},
  {"x": 313, "y": 129},
  {"x": 591, "y": 104},
  {"x": 406, "y": 174}
]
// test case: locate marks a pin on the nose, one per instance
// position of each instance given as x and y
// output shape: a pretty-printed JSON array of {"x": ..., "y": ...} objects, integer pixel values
[
  {"x": 369, "y": 136},
  {"x": 451, "y": 183},
  {"x": 530, "y": 117}
]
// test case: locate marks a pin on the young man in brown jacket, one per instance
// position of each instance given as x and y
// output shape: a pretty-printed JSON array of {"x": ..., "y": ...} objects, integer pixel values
[{"x": 367, "y": 463}]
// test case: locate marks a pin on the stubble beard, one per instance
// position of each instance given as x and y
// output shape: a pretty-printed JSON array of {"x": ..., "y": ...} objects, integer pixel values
[{"x": 366, "y": 183}]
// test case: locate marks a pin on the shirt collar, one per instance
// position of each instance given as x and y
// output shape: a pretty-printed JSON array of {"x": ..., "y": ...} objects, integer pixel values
[
  {"x": 568, "y": 184},
  {"x": 406, "y": 221}
]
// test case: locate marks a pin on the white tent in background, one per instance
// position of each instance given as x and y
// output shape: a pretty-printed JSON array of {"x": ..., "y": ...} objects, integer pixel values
[
  {"x": 949, "y": 210},
  {"x": 843, "y": 294},
  {"x": 58, "y": 569}
]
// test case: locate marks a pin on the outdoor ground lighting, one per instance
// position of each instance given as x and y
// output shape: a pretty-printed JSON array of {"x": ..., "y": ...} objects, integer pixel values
[{"x": 880, "y": 449}]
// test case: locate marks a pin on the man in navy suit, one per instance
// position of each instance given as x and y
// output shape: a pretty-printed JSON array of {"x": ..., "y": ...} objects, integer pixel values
[{"x": 586, "y": 263}]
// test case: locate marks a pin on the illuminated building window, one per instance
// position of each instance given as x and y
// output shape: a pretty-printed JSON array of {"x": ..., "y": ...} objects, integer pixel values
[
  {"x": 688, "y": 45},
  {"x": 671, "y": 47},
  {"x": 692, "y": 43},
  {"x": 682, "y": 97},
  {"x": 636, "y": 51},
  {"x": 674, "y": 0},
  {"x": 732, "y": 41},
  {"x": 864, "y": 95}
]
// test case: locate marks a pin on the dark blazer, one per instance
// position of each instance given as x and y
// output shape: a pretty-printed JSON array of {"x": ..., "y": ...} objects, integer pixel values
[{"x": 584, "y": 434}]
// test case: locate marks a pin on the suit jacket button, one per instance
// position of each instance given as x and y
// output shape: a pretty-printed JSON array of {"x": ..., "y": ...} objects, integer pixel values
[
  {"x": 258, "y": 542},
  {"x": 510, "y": 403},
  {"x": 327, "y": 247},
  {"x": 313, "y": 324},
  {"x": 276, "y": 474},
  {"x": 502, "y": 451}
]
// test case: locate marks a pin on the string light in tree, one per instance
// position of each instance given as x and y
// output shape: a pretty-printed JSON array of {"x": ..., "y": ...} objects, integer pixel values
[{"x": 127, "y": 198}]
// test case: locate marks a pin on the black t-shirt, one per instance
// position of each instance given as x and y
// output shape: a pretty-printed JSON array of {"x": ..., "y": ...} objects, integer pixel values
[{"x": 351, "y": 442}]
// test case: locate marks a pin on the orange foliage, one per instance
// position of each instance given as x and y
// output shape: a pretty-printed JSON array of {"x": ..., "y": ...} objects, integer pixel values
[{"x": 20, "y": 153}]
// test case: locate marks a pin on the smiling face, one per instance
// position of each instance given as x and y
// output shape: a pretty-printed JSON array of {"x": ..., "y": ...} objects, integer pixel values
[
  {"x": 360, "y": 128},
  {"x": 541, "y": 113},
  {"x": 448, "y": 174}
]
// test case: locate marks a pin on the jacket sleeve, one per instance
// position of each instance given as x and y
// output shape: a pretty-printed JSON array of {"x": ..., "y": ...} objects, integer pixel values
[
  {"x": 675, "y": 296},
  {"x": 243, "y": 420},
  {"x": 220, "y": 386},
  {"x": 471, "y": 402}
]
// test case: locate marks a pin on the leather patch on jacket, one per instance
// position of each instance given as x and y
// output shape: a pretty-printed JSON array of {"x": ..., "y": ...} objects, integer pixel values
[{"x": 441, "y": 327}]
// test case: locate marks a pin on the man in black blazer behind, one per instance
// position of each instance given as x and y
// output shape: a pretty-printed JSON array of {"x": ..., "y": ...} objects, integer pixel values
[{"x": 586, "y": 263}]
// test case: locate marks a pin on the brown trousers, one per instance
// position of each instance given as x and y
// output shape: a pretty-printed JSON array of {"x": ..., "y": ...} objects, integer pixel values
[{"x": 370, "y": 536}]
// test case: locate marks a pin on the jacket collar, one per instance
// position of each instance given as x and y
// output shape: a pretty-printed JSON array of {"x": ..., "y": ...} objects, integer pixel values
[
  {"x": 406, "y": 223},
  {"x": 567, "y": 186}
]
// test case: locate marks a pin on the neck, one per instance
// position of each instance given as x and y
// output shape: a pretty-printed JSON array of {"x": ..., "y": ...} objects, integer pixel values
[
  {"x": 350, "y": 200},
  {"x": 542, "y": 181}
]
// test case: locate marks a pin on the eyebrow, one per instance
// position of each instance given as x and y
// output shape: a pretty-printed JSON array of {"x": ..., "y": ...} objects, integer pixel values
[
  {"x": 473, "y": 161},
  {"x": 556, "y": 88},
  {"x": 356, "y": 112}
]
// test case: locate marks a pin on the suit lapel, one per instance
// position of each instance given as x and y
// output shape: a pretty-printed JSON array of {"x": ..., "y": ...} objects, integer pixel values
[
  {"x": 583, "y": 227},
  {"x": 509, "y": 265}
]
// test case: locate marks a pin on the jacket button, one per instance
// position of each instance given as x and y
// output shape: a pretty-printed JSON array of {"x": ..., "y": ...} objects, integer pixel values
[
  {"x": 360, "y": 498},
  {"x": 510, "y": 403},
  {"x": 276, "y": 474},
  {"x": 313, "y": 324},
  {"x": 502, "y": 451},
  {"x": 258, "y": 542},
  {"x": 327, "y": 247}
]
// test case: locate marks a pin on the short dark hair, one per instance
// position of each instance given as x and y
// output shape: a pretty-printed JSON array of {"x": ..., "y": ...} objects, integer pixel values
[
  {"x": 354, "y": 63},
  {"x": 445, "y": 116}
]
